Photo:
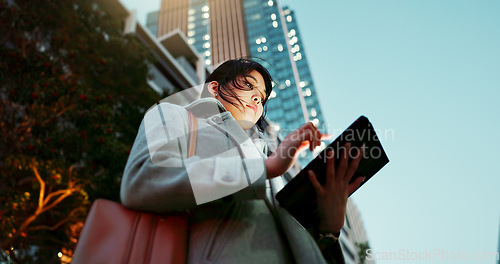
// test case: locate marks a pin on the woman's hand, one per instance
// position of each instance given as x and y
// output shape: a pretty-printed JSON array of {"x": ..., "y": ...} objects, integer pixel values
[
  {"x": 332, "y": 197},
  {"x": 306, "y": 136}
]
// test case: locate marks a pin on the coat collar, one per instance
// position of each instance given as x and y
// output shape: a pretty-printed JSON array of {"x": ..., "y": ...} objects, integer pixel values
[{"x": 206, "y": 107}]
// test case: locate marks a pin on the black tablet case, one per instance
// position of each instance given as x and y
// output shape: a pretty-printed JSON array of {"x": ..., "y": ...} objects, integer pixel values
[{"x": 299, "y": 196}]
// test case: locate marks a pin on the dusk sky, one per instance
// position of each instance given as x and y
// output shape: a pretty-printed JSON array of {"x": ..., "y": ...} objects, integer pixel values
[{"x": 427, "y": 75}]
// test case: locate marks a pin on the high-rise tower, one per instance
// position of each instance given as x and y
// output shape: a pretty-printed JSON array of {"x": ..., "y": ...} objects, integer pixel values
[{"x": 216, "y": 28}]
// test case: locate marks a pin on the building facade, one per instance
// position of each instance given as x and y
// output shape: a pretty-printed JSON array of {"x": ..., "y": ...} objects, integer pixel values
[
  {"x": 354, "y": 233},
  {"x": 274, "y": 37}
]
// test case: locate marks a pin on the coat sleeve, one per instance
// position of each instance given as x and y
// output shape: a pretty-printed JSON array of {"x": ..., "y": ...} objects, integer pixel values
[{"x": 159, "y": 177}]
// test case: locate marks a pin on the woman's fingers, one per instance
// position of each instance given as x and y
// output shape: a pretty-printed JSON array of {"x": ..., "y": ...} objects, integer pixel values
[
  {"x": 344, "y": 157},
  {"x": 326, "y": 136},
  {"x": 355, "y": 184},
  {"x": 330, "y": 168},
  {"x": 353, "y": 165},
  {"x": 309, "y": 132},
  {"x": 314, "y": 181}
]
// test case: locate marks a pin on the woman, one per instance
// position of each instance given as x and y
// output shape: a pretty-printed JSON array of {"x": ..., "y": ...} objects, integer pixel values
[{"x": 233, "y": 216}]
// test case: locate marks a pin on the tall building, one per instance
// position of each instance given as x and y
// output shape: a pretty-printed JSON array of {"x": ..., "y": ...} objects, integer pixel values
[
  {"x": 353, "y": 234},
  {"x": 152, "y": 22},
  {"x": 228, "y": 29},
  {"x": 216, "y": 28},
  {"x": 274, "y": 36}
]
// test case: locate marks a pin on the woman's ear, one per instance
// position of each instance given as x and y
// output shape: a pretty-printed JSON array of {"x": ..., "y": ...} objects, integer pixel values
[{"x": 213, "y": 88}]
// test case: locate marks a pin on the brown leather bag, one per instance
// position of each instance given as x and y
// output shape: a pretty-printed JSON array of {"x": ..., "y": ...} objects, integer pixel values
[{"x": 115, "y": 234}]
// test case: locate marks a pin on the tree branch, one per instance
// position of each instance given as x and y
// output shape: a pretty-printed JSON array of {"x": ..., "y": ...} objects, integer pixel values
[
  {"x": 67, "y": 193},
  {"x": 42, "y": 204},
  {"x": 52, "y": 228},
  {"x": 42, "y": 185}
]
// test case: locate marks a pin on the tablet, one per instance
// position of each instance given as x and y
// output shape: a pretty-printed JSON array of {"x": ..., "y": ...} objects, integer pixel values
[{"x": 299, "y": 196}]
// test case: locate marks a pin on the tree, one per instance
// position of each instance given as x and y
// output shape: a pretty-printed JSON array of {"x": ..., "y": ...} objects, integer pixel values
[
  {"x": 73, "y": 90},
  {"x": 362, "y": 248}
]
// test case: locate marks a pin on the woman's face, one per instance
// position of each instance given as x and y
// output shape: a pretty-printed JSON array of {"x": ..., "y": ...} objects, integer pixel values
[{"x": 248, "y": 115}]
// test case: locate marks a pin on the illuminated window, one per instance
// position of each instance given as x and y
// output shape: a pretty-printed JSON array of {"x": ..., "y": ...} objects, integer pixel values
[
  {"x": 264, "y": 48},
  {"x": 313, "y": 112},
  {"x": 207, "y": 53},
  {"x": 289, "y": 18},
  {"x": 287, "y": 82},
  {"x": 277, "y": 127},
  {"x": 302, "y": 84},
  {"x": 280, "y": 47},
  {"x": 263, "y": 40},
  {"x": 206, "y": 37},
  {"x": 190, "y": 18},
  {"x": 205, "y": 9},
  {"x": 257, "y": 41},
  {"x": 270, "y": 3},
  {"x": 191, "y": 25},
  {"x": 190, "y": 33},
  {"x": 259, "y": 49},
  {"x": 206, "y": 15},
  {"x": 275, "y": 24},
  {"x": 191, "y": 41},
  {"x": 273, "y": 16},
  {"x": 207, "y": 62},
  {"x": 206, "y": 45},
  {"x": 308, "y": 92},
  {"x": 191, "y": 12},
  {"x": 272, "y": 95}
]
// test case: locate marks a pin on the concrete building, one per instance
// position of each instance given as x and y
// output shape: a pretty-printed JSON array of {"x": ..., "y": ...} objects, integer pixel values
[{"x": 178, "y": 65}]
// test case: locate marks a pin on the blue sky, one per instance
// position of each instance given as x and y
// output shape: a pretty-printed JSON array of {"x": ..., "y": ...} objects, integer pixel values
[{"x": 428, "y": 73}]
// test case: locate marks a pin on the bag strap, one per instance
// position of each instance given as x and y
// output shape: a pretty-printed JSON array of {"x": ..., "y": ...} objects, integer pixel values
[{"x": 193, "y": 129}]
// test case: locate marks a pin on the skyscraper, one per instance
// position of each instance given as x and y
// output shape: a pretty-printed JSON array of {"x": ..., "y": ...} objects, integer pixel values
[
  {"x": 274, "y": 36},
  {"x": 216, "y": 28},
  {"x": 228, "y": 29}
]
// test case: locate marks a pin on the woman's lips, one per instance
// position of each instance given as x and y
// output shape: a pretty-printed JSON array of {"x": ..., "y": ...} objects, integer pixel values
[{"x": 253, "y": 107}]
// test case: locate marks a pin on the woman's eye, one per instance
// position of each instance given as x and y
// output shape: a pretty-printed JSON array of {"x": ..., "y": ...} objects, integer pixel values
[{"x": 249, "y": 85}]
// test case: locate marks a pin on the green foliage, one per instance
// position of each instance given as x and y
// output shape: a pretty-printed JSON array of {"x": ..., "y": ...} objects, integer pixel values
[
  {"x": 362, "y": 248},
  {"x": 72, "y": 94}
]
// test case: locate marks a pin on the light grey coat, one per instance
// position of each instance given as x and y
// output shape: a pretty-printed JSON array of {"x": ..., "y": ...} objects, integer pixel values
[{"x": 242, "y": 226}]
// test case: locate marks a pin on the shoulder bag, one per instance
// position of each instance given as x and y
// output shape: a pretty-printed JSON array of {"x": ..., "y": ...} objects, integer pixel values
[{"x": 115, "y": 234}]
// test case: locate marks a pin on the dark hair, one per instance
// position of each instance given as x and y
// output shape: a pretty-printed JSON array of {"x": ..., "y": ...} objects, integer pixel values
[{"x": 227, "y": 76}]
